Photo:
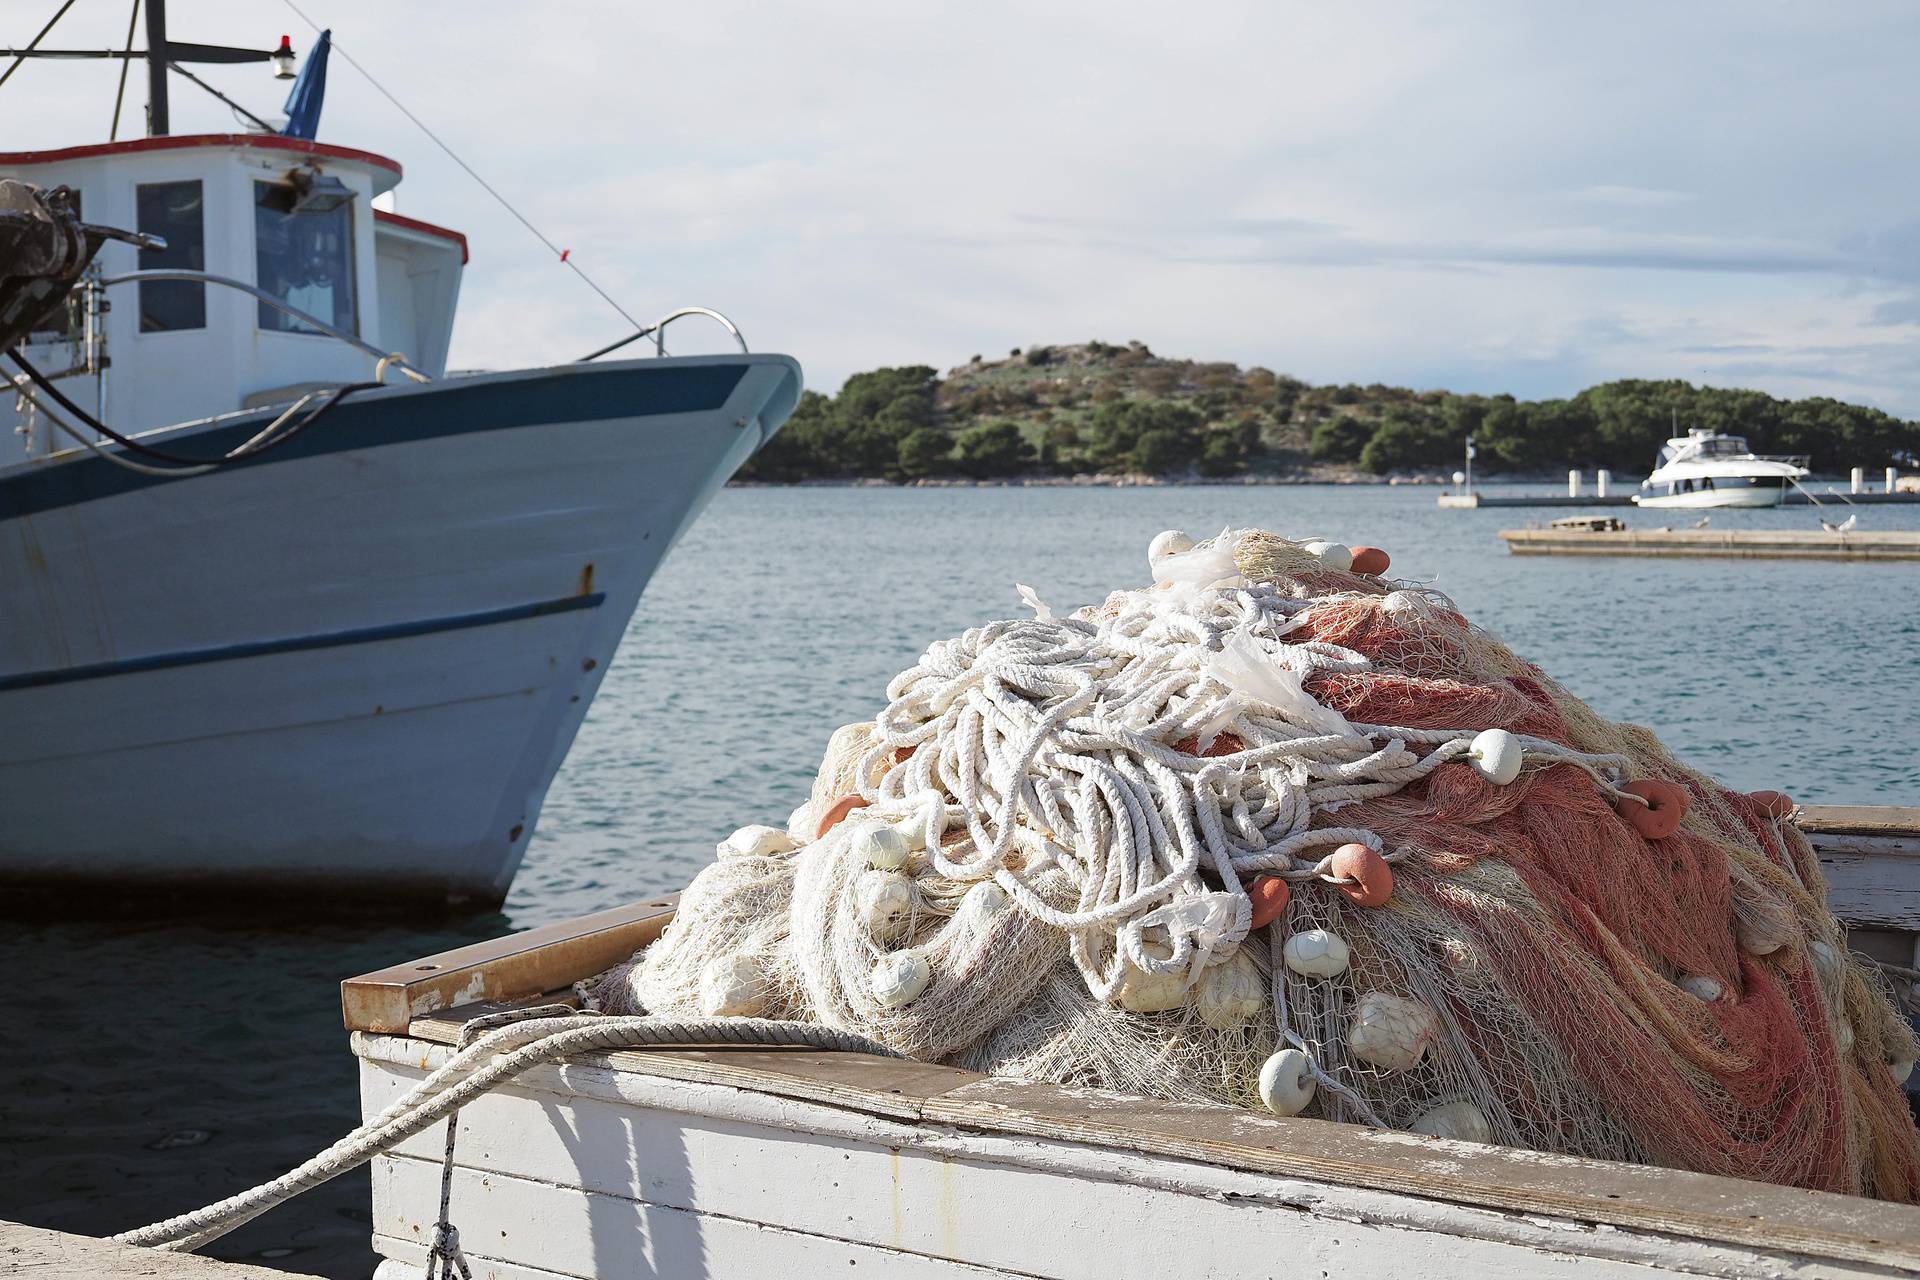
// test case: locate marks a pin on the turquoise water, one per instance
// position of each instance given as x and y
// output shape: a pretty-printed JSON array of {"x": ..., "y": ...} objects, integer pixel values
[{"x": 173, "y": 1062}]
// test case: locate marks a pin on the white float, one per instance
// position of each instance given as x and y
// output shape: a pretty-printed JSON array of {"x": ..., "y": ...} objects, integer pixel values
[
  {"x": 1286, "y": 1083},
  {"x": 756, "y": 841},
  {"x": 1316, "y": 953},
  {"x": 899, "y": 978},
  {"x": 1392, "y": 1032},
  {"x": 1496, "y": 755}
]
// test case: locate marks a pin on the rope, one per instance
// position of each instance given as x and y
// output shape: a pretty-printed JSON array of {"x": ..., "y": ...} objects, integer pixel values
[
  {"x": 489, "y": 1062},
  {"x": 126, "y": 62},
  {"x": 565, "y": 255},
  {"x": 35, "y": 42},
  {"x": 259, "y": 443},
  {"x": 1045, "y": 740}
]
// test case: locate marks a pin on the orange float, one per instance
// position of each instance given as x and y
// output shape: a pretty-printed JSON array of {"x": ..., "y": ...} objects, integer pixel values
[
  {"x": 1371, "y": 560},
  {"x": 1666, "y": 803},
  {"x": 1269, "y": 895},
  {"x": 903, "y": 754},
  {"x": 1370, "y": 876},
  {"x": 841, "y": 808},
  {"x": 1778, "y": 805}
]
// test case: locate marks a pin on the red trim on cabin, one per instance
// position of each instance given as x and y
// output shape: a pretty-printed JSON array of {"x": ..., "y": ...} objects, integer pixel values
[
  {"x": 425, "y": 228},
  {"x": 260, "y": 141}
]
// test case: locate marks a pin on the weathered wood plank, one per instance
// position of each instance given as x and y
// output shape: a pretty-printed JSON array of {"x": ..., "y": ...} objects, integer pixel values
[
  {"x": 54, "y": 1255},
  {"x": 1016, "y": 1205},
  {"x": 1639, "y": 1198},
  {"x": 1859, "y": 819},
  {"x": 1871, "y": 858},
  {"x": 502, "y": 969}
]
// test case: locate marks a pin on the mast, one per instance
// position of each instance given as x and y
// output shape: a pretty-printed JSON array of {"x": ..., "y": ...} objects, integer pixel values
[{"x": 158, "y": 55}]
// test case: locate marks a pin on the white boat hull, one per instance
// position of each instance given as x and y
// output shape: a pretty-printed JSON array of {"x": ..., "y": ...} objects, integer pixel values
[
  {"x": 357, "y": 669},
  {"x": 1746, "y": 497}
]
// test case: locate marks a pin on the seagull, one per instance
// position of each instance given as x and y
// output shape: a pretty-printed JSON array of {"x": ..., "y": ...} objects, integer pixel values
[
  {"x": 1703, "y": 522},
  {"x": 1845, "y": 526}
]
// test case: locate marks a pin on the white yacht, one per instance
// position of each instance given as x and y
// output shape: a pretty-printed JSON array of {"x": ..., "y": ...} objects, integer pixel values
[
  {"x": 284, "y": 606},
  {"x": 1707, "y": 469}
]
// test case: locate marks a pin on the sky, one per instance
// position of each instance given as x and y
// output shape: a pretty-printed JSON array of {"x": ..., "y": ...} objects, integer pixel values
[{"x": 1528, "y": 197}]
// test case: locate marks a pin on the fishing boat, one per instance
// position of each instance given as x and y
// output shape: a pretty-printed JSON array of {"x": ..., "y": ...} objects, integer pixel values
[
  {"x": 732, "y": 1161},
  {"x": 285, "y": 606},
  {"x": 1710, "y": 469}
]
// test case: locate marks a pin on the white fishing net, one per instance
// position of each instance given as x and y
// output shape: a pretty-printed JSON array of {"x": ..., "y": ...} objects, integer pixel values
[{"x": 1156, "y": 846}]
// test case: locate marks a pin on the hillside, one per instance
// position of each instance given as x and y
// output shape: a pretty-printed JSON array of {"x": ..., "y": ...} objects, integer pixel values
[{"x": 1097, "y": 408}]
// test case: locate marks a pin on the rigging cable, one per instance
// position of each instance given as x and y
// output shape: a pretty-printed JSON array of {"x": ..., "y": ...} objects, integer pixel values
[
  {"x": 21, "y": 56},
  {"x": 565, "y": 255},
  {"x": 257, "y": 445},
  {"x": 126, "y": 60}
]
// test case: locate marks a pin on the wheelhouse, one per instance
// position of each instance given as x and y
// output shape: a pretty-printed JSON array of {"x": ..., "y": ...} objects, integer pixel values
[{"x": 298, "y": 220}]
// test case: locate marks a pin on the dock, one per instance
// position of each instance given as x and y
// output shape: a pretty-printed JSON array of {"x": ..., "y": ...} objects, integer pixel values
[
  {"x": 1738, "y": 543},
  {"x": 1833, "y": 498},
  {"x": 56, "y": 1255}
]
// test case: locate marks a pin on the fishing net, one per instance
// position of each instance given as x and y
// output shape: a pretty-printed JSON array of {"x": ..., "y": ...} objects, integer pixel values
[{"x": 1277, "y": 833}]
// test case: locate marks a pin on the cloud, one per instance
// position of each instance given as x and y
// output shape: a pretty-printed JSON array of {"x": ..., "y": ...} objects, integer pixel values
[{"x": 1497, "y": 197}]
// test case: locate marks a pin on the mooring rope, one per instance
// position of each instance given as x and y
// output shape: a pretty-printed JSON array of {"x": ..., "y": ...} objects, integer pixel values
[{"x": 486, "y": 1064}]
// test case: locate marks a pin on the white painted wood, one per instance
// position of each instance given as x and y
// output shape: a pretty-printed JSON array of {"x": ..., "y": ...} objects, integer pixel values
[
  {"x": 614, "y": 1150},
  {"x": 1873, "y": 881}
]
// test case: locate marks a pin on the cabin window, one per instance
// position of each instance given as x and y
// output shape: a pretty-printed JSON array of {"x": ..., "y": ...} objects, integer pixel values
[
  {"x": 176, "y": 211},
  {"x": 304, "y": 257}
]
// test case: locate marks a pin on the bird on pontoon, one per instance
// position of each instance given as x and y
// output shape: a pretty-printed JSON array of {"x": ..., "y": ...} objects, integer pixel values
[
  {"x": 1845, "y": 526},
  {"x": 1703, "y": 522}
]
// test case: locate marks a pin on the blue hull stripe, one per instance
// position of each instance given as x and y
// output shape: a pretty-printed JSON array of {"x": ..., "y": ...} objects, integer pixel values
[
  {"x": 369, "y": 419},
  {"x": 298, "y": 644}
]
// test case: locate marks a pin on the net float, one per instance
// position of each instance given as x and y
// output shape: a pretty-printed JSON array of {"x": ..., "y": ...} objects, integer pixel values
[
  {"x": 1143, "y": 992},
  {"x": 838, "y": 810},
  {"x": 1702, "y": 987},
  {"x": 1286, "y": 1082},
  {"x": 1232, "y": 994},
  {"x": 1777, "y": 805},
  {"x": 1461, "y": 1121},
  {"x": 1269, "y": 895},
  {"x": 734, "y": 987},
  {"x": 1371, "y": 561},
  {"x": 1843, "y": 1037},
  {"x": 884, "y": 901},
  {"x": 1316, "y": 953},
  {"x": 1331, "y": 555},
  {"x": 1829, "y": 968},
  {"x": 899, "y": 978},
  {"x": 1371, "y": 879},
  {"x": 880, "y": 846},
  {"x": 1168, "y": 542},
  {"x": 1901, "y": 1067},
  {"x": 1392, "y": 1032},
  {"x": 1666, "y": 803},
  {"x": 1496, "y": 755},
  {"x": 755, "y": 841}
]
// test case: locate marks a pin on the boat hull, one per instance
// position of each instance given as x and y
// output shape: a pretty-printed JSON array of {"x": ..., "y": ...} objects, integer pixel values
[
  {"x": 1749, "y": 497},
  {"x": 355, "y": 668}
]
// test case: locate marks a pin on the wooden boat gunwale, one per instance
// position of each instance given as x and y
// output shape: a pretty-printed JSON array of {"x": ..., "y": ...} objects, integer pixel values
[{"x": 432, "y": 998}]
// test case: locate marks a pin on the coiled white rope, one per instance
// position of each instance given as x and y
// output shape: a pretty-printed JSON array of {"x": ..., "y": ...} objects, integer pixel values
[
  {"x": 1048, "y": 744},
  {"x": 486, "y": 1064}
]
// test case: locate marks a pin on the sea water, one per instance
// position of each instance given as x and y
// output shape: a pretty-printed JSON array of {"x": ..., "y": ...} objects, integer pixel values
[{"x": 150, "y": 1066}]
